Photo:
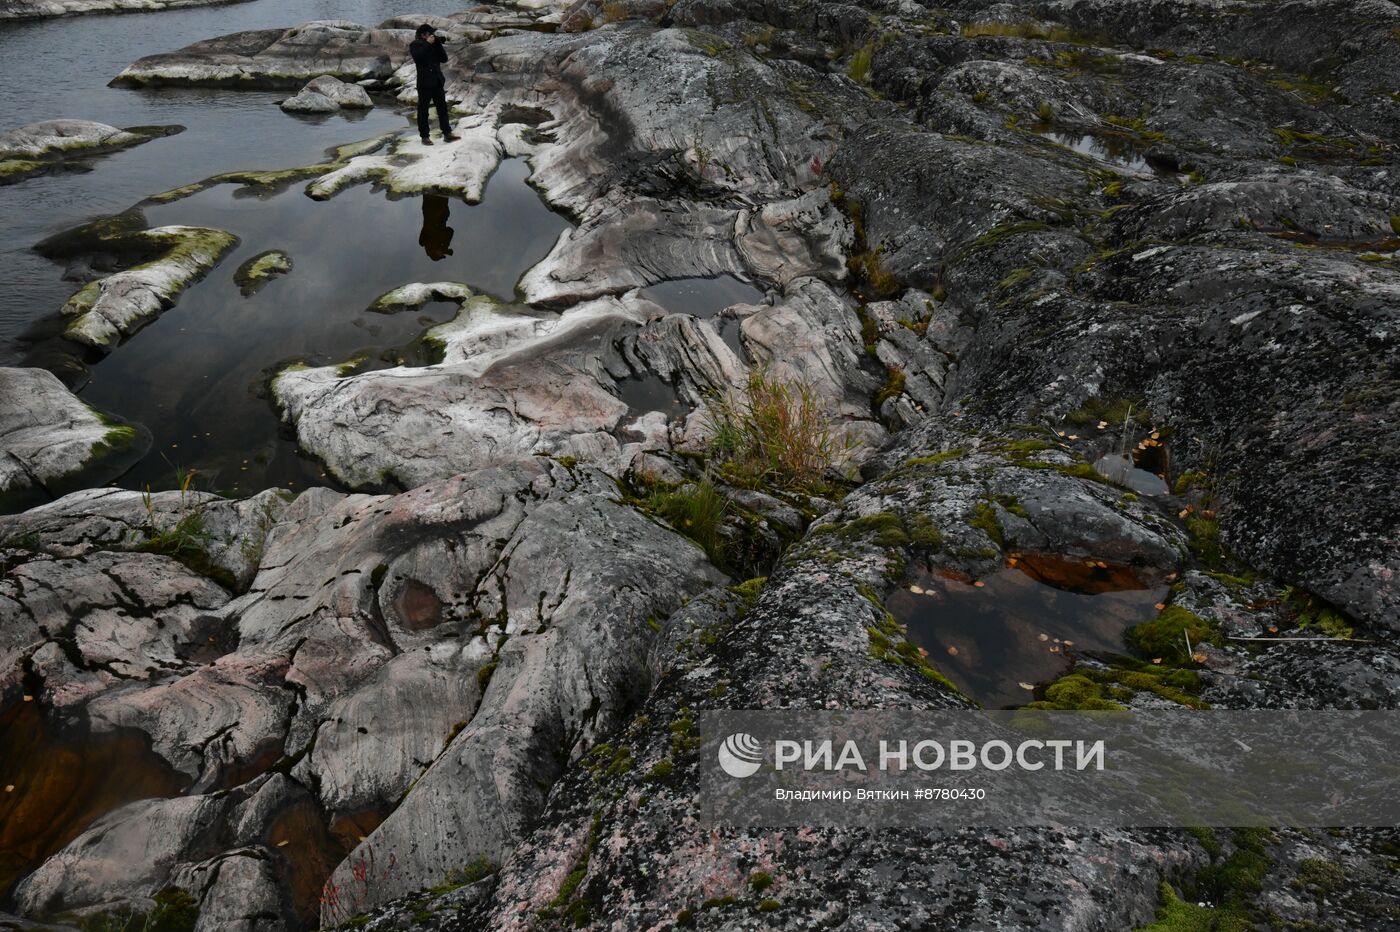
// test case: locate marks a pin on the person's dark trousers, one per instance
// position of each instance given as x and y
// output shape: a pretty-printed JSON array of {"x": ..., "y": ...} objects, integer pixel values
[{"x": 438, "y": 97}]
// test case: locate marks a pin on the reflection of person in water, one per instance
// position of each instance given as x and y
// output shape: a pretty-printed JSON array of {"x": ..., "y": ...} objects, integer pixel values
[{"x": 436, "y": 238}]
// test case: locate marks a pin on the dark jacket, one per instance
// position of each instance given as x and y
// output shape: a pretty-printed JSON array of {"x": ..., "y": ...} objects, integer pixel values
[{"x": 428, "y": 58}]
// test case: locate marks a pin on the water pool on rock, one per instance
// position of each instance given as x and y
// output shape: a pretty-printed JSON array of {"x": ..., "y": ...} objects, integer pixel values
[
  {"x": 995, "y": 637},
  {"x": 198, "y": 373}
]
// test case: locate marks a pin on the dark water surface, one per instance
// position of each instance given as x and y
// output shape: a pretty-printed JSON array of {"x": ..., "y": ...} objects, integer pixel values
[
  {"x": 59, "y": 68},
  {"x": 197, "y": 376},
  {"x": 996, "y": 636}
]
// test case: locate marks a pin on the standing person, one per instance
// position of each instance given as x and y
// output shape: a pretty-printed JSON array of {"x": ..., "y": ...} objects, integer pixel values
[{"x": 428, "y": 56}]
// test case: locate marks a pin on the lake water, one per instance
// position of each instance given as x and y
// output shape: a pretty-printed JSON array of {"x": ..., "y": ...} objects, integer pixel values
[
  {"x": 197, "y": 376},
  {"x": 225, "y": 130}
]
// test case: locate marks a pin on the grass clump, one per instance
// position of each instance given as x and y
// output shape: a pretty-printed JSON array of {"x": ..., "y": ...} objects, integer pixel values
[
  {"x": 775, "y": 435},
  {"x": 893, "y": 387},
  {"x": 697, "y": 510},
  {"x": 477, "y": 869},
  {"x": 867, "y": 270},
  {"x": 859, "y": 69}
]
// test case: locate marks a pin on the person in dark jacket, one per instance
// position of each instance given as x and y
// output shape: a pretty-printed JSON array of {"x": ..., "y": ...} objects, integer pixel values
[{"x": 428, "y": 57}]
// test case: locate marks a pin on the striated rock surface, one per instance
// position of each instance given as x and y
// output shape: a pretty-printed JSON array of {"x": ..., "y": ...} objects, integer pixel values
[{"x": 474, "y": 635}]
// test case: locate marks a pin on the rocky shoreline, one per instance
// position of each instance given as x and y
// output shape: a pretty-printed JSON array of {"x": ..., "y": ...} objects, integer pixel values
[
  {"x": 1019, "y": 256},
  {"x": 48, "y": 9}
]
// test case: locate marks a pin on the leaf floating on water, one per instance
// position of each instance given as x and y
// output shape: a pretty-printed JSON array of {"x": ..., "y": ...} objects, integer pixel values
[
  {"x": 952, "y": 651},
  {"x": 9, "y": 788},
  {"x": 979, "y": 584},
  {"x": 28, "y": 698},
  {"x": 1054, "y": 648},
  {"x": 917, "y": 590},
  {"x": 1067, "y": 643},
  {"x": 1199, "y": 658},
  {"x": 1160, "y": 606},
  {"x": 1103, "y": 425},
  {"x": 922, "y": 652},
  {"x": 1044, "y": 637},
  {"x": 284, "y": 843},
  {"x": 1156, "y": 659},
  {"x": 1029, "y": 686}
]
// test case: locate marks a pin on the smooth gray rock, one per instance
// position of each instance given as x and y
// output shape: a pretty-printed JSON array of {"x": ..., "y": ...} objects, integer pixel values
[
  {"x": 50, "y": 440},
  {"x": 45, "y": 9},
  {"x": 276, "y": 57},
  {"x": 327, "y": 94}
]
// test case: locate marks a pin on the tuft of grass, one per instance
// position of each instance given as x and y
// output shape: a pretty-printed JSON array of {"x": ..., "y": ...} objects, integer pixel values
[
  {"x": 478, "y": 868},
  {"x": 868, "y": 270},
  {"x": 859, "y": 69},
  {"x": 893, "y": 387},
  {"x": 776, "y": 435},
  {"x": 697, "y": 510}
]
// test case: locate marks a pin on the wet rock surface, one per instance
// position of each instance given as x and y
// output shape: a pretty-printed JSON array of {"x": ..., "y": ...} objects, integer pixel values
[
  {"x": 327, "y": 94},
  {"x": 276, "y": 57},
  {"x": 45, "y": 9},
  {"x": 50, "y": 441},
  {"x": 1018, "y": 253},
  {"x": 66, "y": 145}
]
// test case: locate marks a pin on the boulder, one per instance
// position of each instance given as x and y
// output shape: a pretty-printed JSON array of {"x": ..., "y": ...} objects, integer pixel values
[{"x": 327, "y": 94}]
